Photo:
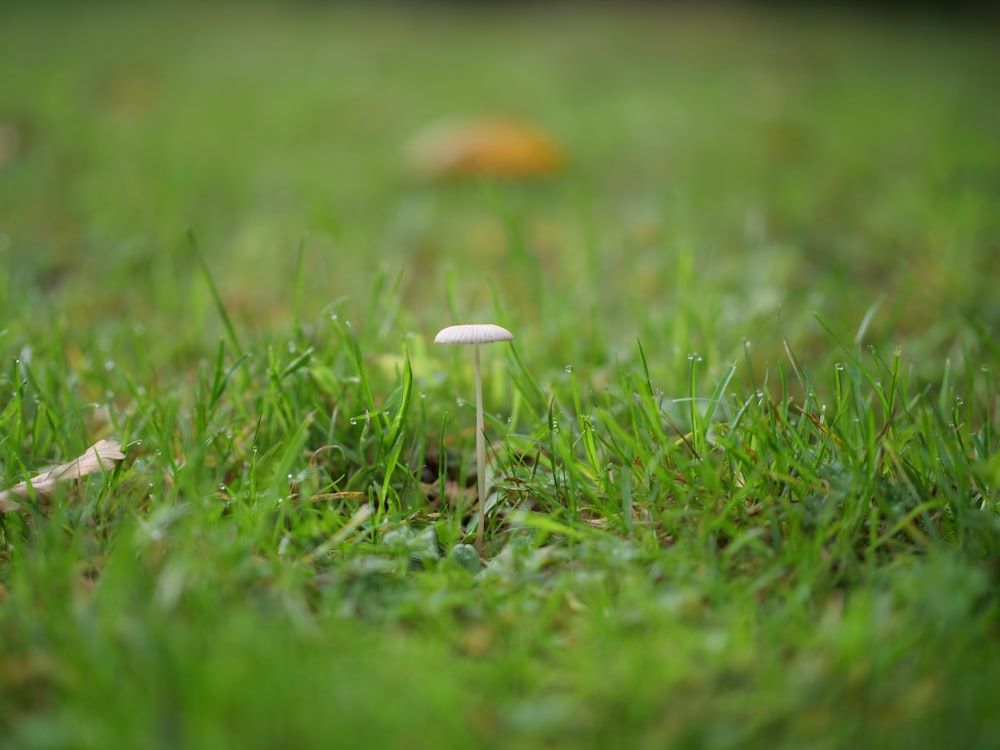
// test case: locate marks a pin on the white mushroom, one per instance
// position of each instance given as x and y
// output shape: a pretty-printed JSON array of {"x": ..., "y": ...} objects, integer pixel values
[{"x": 476, "y": 335}]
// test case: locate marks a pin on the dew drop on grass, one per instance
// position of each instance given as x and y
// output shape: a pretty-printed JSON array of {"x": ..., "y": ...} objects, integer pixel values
[
  {"x": 423, "y": 395},
  {"x": 354, "y": 420},
  {"x": 746, "y": 342},
  {"x": 840, "y": 366},
  {"x": 568, "y": 368},
  {"x": 984, "y": 368},
  {"x": 460, "y": 402},
  {"x": 109, "y": 365},
  {"x": 333, "y": 316},
  {"x": 959, "y": 401}
]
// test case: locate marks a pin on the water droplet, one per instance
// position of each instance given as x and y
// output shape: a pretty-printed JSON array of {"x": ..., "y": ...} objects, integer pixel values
[
  {"x": 568, "y": 368},
  {"x": 460, "y": 402},
  {"x": 959, "y": 401},
  {"x": 109, "y": 365},
  {"x": 354, "y": 420},
  {"x": 760, "y": 393},
  {"x": 423, "y": 395},
  {"x": 840, "y": 366},
  {"x": 984, "y": 368},
  {"x": 746, "y": 342},
  {"x": 333, "y": 316},
  {"x": 289, "y": 477}
]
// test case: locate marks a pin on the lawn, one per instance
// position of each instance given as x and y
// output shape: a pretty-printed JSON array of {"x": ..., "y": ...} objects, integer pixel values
[{"x": 743, "y": 480}]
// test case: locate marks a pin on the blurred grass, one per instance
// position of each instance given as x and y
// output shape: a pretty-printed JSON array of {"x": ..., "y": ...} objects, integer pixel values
[{"x": 814, "y": 161}]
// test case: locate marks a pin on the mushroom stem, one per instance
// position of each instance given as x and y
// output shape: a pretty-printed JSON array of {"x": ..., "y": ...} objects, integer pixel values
[{"x": 480, "y": 455}]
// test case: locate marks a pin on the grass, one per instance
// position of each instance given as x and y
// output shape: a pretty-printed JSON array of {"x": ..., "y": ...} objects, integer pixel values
[{"x": 743, "y": 447}]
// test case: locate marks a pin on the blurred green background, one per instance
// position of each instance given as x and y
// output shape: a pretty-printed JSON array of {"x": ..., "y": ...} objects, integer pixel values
[{"x": 753, "y": 166}]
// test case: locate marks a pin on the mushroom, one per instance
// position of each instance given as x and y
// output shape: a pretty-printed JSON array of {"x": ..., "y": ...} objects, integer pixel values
[{"x": 476, "y": 335}]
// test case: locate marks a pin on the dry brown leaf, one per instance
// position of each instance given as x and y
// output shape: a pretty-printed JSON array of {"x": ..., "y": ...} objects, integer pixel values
[
  {"x": 101, "y": 456},
  {"x": 498, "y": 147}
]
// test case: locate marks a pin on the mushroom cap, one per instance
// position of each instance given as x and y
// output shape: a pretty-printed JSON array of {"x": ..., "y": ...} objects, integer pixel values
[{"x": 481, "y": 333}]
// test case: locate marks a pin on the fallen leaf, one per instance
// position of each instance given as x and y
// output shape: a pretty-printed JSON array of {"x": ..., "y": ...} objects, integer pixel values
[
  {"x": 98, "y": 457},
  {"x": 499, "y": 147}
]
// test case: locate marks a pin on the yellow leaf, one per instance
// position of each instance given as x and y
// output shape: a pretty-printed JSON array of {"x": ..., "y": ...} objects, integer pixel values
[{"x": 497, "y": 147}]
